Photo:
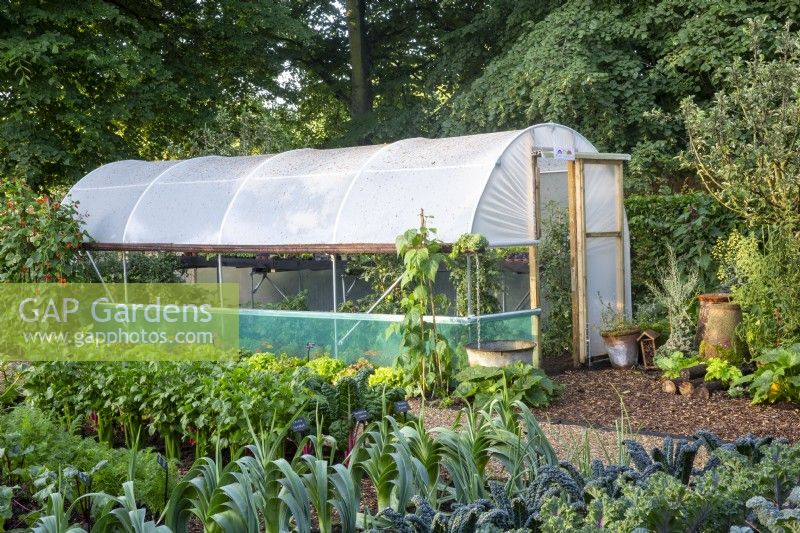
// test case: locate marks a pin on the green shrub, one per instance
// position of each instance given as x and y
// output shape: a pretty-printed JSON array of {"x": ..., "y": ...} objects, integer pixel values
[
  {"x": 49, "y": 446},
  {"x": 200, "y": 403},
  {"x": 387, "y": 376},
  {"x": 745, "y": 143},
  {"x": 40, "y": 237},
  {"x": 268, "y": 362},
  {"x": 721, "y": 370},
  {"x": 326, "y": 367},
  {"x": 141, "y": 267},
  {"x": 298, "y": 302},
  {"x": 691, "y": 223},
  {"x": 673, "y": 364},
  {"x": 763, "y": 271},
  {"x": 675, "y": 291},
  {"x": 613, "y": 321},
  {"x": 352, "y": 369}
]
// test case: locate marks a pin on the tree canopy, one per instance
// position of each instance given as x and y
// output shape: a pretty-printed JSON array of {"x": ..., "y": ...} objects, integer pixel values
[{"x": 84, "y": 83}]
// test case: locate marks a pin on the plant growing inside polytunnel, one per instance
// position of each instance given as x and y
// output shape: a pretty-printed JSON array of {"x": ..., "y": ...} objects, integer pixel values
[{"x": 476, "y": 274}]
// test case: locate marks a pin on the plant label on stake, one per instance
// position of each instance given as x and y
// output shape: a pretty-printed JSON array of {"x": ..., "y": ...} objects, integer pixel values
[
  {"x": 300, "y": 426},
  {"x": 309, "y": 347},
  {"x": 360, "y": 415},
  {"x": 162, "y": 462},
  {"x": 402, "y": 406}
]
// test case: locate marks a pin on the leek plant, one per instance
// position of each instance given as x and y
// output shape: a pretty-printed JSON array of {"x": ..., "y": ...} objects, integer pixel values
[
  {"x": 322, "y": 487},
  {"x": 56, "y": 518},
  {"x": 127, "y": 516},
  {"x": 236, "y": 497},
  {"x": 373, "y": 455},
  {"x": 385, "y": 454},
  {"x": 427, "y": 450},
  {"x": 519, "y": 443},
  {"x": 465, "y": 454},
  {"x": 196, "y": 496}
]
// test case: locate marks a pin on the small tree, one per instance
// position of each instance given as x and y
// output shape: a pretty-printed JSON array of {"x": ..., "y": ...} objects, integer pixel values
[{"x": 746, "y": 145}]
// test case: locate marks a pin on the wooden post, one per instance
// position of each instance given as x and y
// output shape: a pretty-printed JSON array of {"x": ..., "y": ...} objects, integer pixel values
[
  {"x": 573, "y": 259},
  {"x": 577, "y": 241},
  {"x": 621, "y": 236},
  {"x": 580, "y": 182},
  {"x": 533, "y": 258}
]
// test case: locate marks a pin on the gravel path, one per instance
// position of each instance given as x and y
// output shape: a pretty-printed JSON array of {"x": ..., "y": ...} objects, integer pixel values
[{"x": 567, "y": 439}]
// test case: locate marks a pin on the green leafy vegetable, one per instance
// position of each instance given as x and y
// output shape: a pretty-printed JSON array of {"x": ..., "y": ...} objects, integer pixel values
[
  {"x": 517, "y": 382},
  {"x": 673, "y": 364},
  {"x": 722, "y": 370},
  {"x": 777, "y": 376}
]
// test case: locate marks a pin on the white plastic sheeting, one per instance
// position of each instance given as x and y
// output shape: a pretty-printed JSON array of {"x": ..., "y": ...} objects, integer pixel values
[
  {"x": 361, "y": 195},
  {"x": 367, "y": 195}
]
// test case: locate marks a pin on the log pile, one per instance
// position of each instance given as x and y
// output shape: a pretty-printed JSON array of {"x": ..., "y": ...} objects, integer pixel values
[{"x": 692, "y": 383}]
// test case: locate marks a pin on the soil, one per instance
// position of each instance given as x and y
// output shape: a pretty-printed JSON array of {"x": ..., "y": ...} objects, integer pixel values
[
  {"x": 594, "y": 400},
  {"x": 594, "y": 397}
]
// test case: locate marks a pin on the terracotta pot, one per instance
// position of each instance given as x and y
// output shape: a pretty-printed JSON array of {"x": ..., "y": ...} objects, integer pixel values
[
  {"x": 623, "y": 350},
  {"x": 706, "y": 300},
  {"x": 719, "y": 337},
  {"x": 500, "y": 352}
]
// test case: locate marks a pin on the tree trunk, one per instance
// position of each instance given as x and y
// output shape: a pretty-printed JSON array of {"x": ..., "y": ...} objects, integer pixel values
[
  {"x": 686, "y": 388},
  {"x": 693, "y": 372},
  {"x": 361, "y": 89},
  {"x": 708, "y": 388}
]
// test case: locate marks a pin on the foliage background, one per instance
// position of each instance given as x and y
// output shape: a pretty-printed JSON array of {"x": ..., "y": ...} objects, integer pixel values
[
  {"x": 691, "y": 223},
  {"x": 88, "y": 83}
]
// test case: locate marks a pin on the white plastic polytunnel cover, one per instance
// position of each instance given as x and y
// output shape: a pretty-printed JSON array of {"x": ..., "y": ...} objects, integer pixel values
[
  {"x": 361, "y": 195},
  {"x": 356, "y": 199}
]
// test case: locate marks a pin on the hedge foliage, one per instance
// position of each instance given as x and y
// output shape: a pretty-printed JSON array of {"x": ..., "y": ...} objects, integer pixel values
[{"x": 691, "y": 223}]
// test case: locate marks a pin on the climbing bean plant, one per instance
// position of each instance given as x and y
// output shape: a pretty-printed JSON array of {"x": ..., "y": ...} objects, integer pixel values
[
  {"x": 470, "y": 253},
  {"x": 41, "y": 237},
  {"x": 427, "y": 356}
]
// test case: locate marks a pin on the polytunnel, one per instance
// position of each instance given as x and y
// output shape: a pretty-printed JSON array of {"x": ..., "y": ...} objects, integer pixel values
[{"x": 359, "y": 199}]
